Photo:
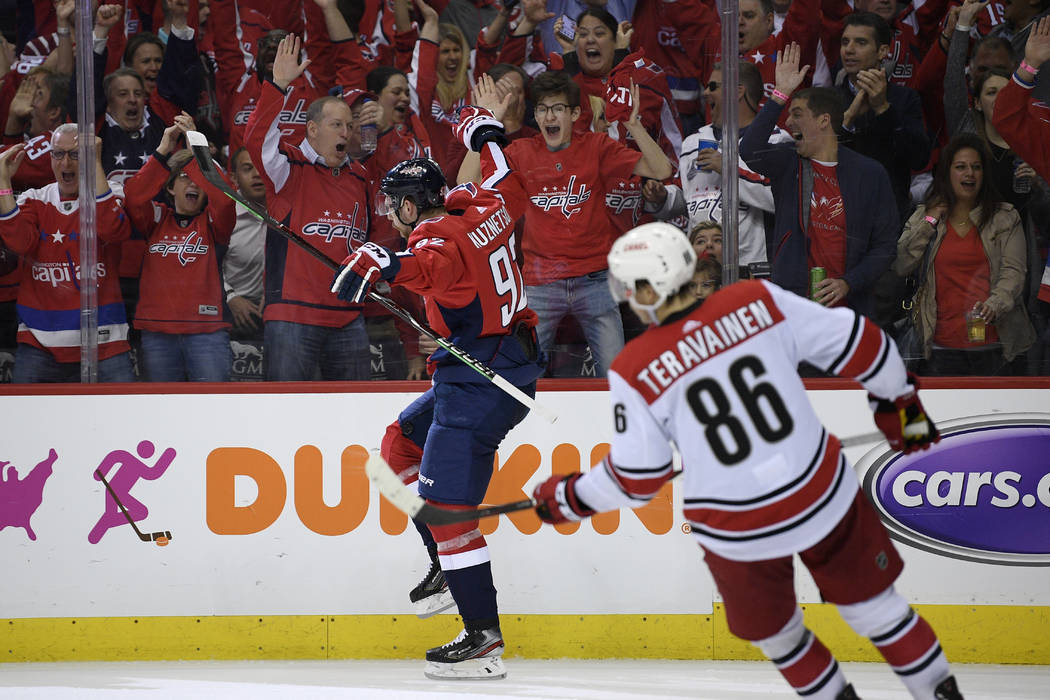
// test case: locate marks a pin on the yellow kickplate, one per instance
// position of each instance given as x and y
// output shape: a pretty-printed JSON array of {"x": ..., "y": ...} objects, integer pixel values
[{"x": 969, "y": 634}]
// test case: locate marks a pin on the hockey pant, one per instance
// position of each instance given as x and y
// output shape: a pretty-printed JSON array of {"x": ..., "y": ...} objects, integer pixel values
[{"x": 459, "y": 427}]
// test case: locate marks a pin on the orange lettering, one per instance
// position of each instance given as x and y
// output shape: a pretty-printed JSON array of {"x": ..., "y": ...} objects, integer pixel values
[
  {"x": 565, "y": 459},
  {"x": 391, "y": 520},
  {"x": 508, "y": 484},
  {"x": 223, "y": 465},
  {"x": 314, "y": 513},
  {"x": 603, "y": 523}
]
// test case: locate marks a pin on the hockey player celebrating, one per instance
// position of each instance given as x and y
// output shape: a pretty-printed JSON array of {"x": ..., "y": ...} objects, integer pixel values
[
  {"x": 460, "y": 258},
  {"x": 763, "y": 480}
]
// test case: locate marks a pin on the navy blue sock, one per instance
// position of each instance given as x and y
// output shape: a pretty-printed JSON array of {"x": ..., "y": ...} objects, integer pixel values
[
  {"x": 475, "y": 595},
  {"x": 424, "y": 532}
]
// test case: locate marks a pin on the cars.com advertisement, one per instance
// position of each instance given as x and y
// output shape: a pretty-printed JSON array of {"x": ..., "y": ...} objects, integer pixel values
[{"x": 981, "y": 494}]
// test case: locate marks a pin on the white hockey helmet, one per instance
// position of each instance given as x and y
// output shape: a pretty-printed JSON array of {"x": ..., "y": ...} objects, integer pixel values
[{"x": 657, "y": 253}]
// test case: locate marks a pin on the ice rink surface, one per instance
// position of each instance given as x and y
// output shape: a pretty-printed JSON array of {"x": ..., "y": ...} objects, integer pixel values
[{"x": 526, "y": 678}]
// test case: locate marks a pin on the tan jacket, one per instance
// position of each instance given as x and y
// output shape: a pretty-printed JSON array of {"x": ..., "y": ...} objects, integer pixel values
[{"x": 1004, "y": 245}]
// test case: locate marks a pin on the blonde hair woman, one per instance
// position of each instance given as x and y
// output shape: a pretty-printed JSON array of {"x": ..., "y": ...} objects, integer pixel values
[{"x": 440, "y": 81}]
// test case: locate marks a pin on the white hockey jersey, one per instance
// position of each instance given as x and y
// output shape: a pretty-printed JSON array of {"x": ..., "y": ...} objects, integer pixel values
[
  {"x": 700, "y": 196},
  {"x": 762, "y": 477}
]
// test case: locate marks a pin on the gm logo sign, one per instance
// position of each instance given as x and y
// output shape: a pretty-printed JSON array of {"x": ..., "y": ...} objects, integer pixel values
[{"x": 981, "y": 494}]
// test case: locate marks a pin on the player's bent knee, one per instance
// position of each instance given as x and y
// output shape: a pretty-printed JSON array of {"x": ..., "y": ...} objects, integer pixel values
[
  {"x": 401, "y": 454},
  {"x": 784, "y": 641},
  {"x": 877, "y": 614}
]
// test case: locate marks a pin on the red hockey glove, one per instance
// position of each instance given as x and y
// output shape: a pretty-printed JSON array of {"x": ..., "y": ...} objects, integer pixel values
[
  {"x": 362, "y": 269},
  {"x": 477, "y": 126},
  {"x": 556, "y": 500},
  {"x": 904, "y": 421}
]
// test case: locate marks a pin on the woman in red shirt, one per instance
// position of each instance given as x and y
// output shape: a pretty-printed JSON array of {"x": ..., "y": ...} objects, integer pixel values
[
  {"x": 968, "y": 310},
  {"x": 181, "y": 311}
]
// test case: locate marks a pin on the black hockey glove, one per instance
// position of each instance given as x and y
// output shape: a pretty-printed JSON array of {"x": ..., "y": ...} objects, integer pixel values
[{"x": 904, "y": 421}]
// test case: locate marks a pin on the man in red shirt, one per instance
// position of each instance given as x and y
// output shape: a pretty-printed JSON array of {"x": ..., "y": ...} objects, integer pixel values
[
  {"x": 321, "y": 194},
  {"x": 43, "y": 227},
  {"x": 567, "y": 230}
]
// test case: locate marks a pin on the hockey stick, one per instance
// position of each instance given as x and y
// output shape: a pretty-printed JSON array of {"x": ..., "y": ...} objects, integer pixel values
[
  {"x": 863, "y": 439},
  {"x": 403, "y": 498},
  {"x": 153, "y": 536},
  {"x": 199, "y": 145}
]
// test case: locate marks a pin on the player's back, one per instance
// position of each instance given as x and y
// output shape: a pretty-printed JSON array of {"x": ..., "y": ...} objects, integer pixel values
[
  {"x": 722, "y": 381},
  {"x": 488, "y": 297}
]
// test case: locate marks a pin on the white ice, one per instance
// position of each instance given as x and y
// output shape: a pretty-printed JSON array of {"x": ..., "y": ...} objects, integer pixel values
[{"x": 527, "y": 678}]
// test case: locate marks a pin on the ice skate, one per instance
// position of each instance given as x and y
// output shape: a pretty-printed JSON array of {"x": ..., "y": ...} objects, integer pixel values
[
  {"x": 947, "y": 689},
  {"x": 847, "y": 693},
  {"x": 473, "y": 655},
  {"x": 432, "y": 595}
]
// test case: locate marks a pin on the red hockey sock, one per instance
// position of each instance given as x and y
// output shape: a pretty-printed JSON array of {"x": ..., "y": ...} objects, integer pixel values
[
  {"x": 811, "y": 669},
  {"x": 912, "y": 650}
]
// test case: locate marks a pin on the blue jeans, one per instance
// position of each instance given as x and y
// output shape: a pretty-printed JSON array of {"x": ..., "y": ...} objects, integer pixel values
[
  {"x": 588, "y": 300},
  {"x": 295, "y": 352},
  {"x": 34, "y": 365},
  {"x": 180, "y": 357}
]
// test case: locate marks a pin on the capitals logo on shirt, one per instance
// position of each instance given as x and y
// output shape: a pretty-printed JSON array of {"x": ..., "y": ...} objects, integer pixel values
[
  {"x": 60, "y": 273},
  {"x": 566, "y": 200},
  {"x": 668, "y": 36},
  {"x": 186, "y": 249},
  {"x": 331, "y": 226},
  {"x": 625, "y": 196}
]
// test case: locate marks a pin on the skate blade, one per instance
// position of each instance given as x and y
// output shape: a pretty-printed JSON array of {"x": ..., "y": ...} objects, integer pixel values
[
  {"x": 432, "y": 605},
  {"x": 489, "y": 668}
]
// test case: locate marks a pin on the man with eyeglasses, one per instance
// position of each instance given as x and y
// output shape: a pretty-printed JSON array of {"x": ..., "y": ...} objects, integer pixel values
[
  {"x": 567, "y": 228},
  {"x": 43, "y": 226}
]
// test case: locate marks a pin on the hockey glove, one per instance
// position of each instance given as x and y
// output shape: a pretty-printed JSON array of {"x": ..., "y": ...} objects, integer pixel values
[
  {"x": 556, "y": 500},
  {"x": 363, "y": 268},
  {"x": 477, "y": 127},
  {"x": 904, "y": 421}
]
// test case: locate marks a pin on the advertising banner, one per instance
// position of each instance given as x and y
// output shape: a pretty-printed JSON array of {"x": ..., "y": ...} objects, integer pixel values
[{"x": 257, "y": 504}]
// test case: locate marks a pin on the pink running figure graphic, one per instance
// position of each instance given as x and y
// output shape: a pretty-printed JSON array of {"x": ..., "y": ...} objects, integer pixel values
[
  {"x": 19, "y": 499},
  {"x": 121, "y": 482}
]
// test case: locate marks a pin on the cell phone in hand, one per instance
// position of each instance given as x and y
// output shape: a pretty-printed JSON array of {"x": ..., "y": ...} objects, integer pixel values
[{"x": 568, "y": 28}]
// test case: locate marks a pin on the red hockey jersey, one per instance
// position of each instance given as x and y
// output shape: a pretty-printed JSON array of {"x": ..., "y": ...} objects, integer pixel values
[
  {"x": 567, "y": 230},
  {"x": 1025, "y": 124},
  {"x": 238, "y": 83},
  {"x": 682, "y": 37},
  {"x": 464, "y": 265},
  {"x": 802, "y": 25},
  {"x": 180, "y": 288},
  {"x": 327, "y": 206},
  {"x": 44, "y": 229},
  {"x": 35, "y": 170}
]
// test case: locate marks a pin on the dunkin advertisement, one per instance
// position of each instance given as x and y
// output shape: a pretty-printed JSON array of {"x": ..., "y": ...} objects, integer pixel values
[{"x": 256, "y": 502}]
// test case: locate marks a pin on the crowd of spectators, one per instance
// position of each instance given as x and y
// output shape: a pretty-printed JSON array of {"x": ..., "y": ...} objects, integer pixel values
[{"x": 893, "y": 159}]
